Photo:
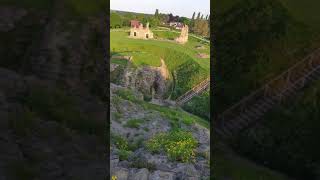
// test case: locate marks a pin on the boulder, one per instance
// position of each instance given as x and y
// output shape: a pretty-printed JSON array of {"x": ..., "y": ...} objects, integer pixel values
[
  {"x": 120, "y": 173},
  {"x": 185, "y": 170},
  {"x": 141, "y": 174}
]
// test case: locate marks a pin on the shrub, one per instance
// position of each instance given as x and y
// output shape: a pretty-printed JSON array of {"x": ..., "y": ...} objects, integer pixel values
[
  {"x": 127, "y": 95},
  {"x": 187, "y": 120},
  {"x": 119, "y": 142},
  {"x": 135, "y": 145},
  {"x": 179, "y": 145},
  {"x": 124, "y": 154}
]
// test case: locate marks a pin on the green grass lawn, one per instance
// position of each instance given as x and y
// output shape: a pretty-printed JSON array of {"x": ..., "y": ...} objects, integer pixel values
[
  {"x": 150, "y": 51},
  {"x": 183, "y": 59}
]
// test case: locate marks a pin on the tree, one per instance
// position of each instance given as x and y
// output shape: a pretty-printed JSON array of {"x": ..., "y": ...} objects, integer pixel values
[
  {"x": 153, "y": 21},
  {"x": 201, "y": 27},
  {"x": 193, "y": 16},
  {"x": 164, "y": 18},
  {"x": 198, "y": 17},
  {"x": 115, "y": 20},
  {"x": 207, "y": 17},
  {"x": 185, "y": 20},
  {"x": 156, "y": 14},
  {"x": 202, "y": 16}
]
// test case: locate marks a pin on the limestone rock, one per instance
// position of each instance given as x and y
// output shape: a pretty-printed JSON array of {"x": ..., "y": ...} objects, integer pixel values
[
  {"x": 161, "y": 175},
  {"x": 183, "y": 38},
  {"x": 141, "y": 174},
  {"x": 120, "y": 173},
  {"x": 186, "y": 170}
]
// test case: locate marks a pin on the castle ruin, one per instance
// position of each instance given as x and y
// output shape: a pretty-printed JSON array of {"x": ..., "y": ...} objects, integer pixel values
[
  {"x": 183, "y": 38},
  {"x": 141, "y": 32}
]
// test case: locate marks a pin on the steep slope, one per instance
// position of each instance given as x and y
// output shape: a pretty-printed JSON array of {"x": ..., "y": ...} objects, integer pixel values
[{"x": 137, "y": 128}]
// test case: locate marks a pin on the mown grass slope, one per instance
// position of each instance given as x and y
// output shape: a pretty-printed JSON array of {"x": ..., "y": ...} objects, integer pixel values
[{"x": 181, "y": 59}]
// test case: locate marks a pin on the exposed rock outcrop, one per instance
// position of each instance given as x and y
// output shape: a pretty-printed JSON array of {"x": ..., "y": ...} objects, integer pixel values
[
  {"x": 142, "y": 163},
  {"x": 152, "y": 82}
]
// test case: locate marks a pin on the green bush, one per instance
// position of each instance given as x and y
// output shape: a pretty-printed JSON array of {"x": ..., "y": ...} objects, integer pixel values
[
  {"x": 122, "y": 146},
  {"x": 179, "y": 145},
  {"x": 119, "y": 142},
  {"x": 127, "y": 95},
  {"x": 124, "y": 154},
  {"x": 199, "y": 105},
  {"x": 188, "y": 120}
]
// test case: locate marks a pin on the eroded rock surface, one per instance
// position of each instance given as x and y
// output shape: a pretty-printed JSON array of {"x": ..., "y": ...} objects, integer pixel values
[{"x": 142, "y": 163}]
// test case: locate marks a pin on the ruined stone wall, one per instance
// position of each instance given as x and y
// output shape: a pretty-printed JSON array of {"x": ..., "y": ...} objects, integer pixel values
[
  {"x": 141, "y": 32},
  {"x": 183, "y": 38}
]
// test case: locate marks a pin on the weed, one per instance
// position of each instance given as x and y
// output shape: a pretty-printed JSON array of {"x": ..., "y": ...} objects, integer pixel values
[
  {"x": 134, "y": 123},
  {"x": 179, "y": 145},
  {"x": 119, "y": 142},
  {"x": 124, "y": 154}
]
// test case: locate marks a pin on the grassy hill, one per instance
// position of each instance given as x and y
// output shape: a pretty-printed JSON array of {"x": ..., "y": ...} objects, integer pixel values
[{"x": 181, "y": 59}]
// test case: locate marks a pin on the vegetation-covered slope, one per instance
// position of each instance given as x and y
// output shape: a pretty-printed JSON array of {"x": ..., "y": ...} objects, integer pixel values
[{"x": 156, "y": 141}]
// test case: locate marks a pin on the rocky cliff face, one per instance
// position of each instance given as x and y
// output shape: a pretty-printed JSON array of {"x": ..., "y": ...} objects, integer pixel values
[
  {"x": 52, "y": 95},
  {"x": 152, "y": 82}
]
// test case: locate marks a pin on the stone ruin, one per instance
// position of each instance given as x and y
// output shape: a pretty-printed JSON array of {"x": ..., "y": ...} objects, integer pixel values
[
  {"x": 141, "y": 32},
  {"x": 183, "y": 38}
]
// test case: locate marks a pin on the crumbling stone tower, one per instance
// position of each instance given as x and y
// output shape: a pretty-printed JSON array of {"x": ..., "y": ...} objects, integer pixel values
[
  {"x": 141, "y": 32},
  {"x": 183, "y": 38}
]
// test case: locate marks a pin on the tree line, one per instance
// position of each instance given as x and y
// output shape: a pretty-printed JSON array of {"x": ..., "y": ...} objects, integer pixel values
[{"x": 199, "y": 25}]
